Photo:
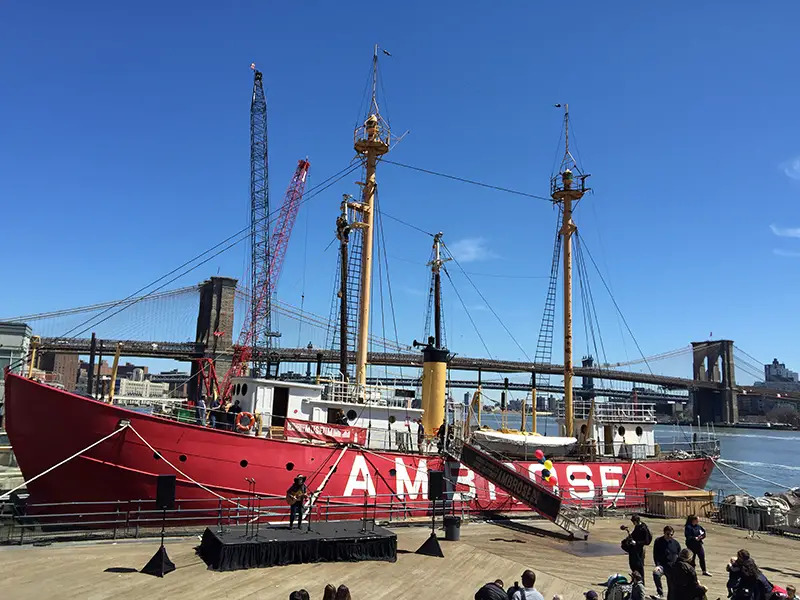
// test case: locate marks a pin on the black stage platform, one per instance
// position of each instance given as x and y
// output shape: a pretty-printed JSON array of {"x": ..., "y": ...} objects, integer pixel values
[{"x": 340, "y": 541}]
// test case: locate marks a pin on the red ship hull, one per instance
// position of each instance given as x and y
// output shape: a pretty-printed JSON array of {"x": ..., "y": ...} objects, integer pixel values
[{"x": 46, "y": 425}]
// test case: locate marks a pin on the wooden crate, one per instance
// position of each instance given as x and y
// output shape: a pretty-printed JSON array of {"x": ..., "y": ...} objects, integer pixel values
[{"x": 680, "y": 504}]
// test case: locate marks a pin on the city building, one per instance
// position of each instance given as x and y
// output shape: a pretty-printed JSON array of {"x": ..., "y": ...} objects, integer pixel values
[
  {"x": 778, "y": 377},
  {"x": 15, "y": 340},
  {"x": 63, "y": 366}
]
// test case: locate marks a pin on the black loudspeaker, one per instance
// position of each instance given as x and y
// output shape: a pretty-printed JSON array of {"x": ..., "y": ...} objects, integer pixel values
[
  {"x": 165, "y": 492},
  {"x": 435, "y": 485}
]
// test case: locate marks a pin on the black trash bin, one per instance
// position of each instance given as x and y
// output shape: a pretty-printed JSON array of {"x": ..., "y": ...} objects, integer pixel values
[{"x": 452, "y": 528}]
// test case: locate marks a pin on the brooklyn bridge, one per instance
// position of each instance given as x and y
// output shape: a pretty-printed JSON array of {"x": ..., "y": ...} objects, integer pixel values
[{"x": 709, "y": 383}]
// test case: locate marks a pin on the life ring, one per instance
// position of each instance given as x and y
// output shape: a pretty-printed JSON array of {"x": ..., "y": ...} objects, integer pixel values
[{"x": 249, "y": 426}]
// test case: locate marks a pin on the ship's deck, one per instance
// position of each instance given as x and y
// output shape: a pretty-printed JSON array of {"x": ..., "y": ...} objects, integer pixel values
[{"x": 485, "y": 552}]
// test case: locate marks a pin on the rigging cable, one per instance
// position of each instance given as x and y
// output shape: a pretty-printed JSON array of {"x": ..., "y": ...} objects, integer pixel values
[
  {"x": 489, "y": 306},
  {"x": 465, "y": 180},
  {"x": 132, "y": 297},
  {"x": 624, "y": 320},
  {"x": 466, "y": 310}
]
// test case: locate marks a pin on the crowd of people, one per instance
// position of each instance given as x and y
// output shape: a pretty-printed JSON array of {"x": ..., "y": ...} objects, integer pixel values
[
  {"x": 673, "y": 566},
  {"x": 331, "y": 592},
  {"x": 678, "y": 566},
  {"x": 217, "y": 415}
]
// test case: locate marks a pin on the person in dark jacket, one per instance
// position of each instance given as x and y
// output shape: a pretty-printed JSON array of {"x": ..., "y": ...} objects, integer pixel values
[
  {"x": 636, "y": 541},
  {"x": 665, "y": 554},
  {"x": 683, "y": 584},
  {"x": 746, "y": 581},
  {"x": 695, "y": 534},
  {"x": 492, "y": 591}
]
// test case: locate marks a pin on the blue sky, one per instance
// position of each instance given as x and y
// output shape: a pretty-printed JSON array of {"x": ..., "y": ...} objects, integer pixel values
[{"x": 124, "y": 151}]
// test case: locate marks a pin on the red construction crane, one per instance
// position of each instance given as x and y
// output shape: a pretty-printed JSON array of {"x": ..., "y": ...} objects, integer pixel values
[{"x": 281, "y": 232}]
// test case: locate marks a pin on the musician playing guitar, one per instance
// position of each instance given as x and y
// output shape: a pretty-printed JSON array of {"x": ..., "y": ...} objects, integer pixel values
[{"x": 295, "y": 496}]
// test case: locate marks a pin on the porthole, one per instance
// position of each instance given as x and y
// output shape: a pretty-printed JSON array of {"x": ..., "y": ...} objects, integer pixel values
[
  {"x": 156, "y": 455},
  {"x": 392, "y": 472},
  {"x": 351, "y": 415},
  {"x": 182, "y": 458},
  {"x": 244, "y": 389},
  {"x": 243, "y": 463},
  {"x": 647, "y": 475},
  {"x": 588, "y": 477},
  {"x": 679, "y": 473},
  {"x": 572, "y": 477},
  {"x": 621, "y": 430},
  {"x": 639, "y": 431},
  {"x": 392, "y": 419},
  {"x": 290, "y": 466},
  {"x": 237, "y": 389}
]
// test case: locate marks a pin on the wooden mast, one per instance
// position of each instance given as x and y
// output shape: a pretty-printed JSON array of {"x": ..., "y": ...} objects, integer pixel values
[
  {"x": 371, "y": 141},
  {"x": 565, "y": 191}
]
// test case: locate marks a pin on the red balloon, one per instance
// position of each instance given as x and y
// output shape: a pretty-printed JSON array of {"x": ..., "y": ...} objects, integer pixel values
[
  {"x": 553, "y": 480},
  {"x": 539, "y": 454}
]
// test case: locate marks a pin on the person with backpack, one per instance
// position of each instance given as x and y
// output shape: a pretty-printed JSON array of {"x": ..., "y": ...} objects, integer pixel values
[
  {"x": 492, "y": 591},
  {"x": 683, "y": 584},
  {"x": 695, "y": 534},
  {"x": 665, "y": 554},
  {"x": 527, "y": 591},
  {"x": 635, "y": 543}
]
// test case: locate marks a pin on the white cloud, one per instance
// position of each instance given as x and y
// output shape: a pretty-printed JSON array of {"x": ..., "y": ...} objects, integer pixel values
[
  {"x": 789, "y": 253},
  {"x": 470, "y": 250},
  {"x": 792, "y": 167},
  {"x": 785, "y": 231}
]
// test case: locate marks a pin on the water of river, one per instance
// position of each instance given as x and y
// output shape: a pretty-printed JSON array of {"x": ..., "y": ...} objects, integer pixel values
[{"x": 771, "y": 455}]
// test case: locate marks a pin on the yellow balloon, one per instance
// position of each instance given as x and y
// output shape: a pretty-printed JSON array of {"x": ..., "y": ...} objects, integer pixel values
[{"x": 548, "y": 464}]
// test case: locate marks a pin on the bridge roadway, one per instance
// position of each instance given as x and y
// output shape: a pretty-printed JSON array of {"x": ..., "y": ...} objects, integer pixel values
[{"x": 190, "y": 350}]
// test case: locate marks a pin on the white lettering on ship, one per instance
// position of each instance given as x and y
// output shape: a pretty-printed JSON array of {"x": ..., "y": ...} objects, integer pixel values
[
  {"x": 466, "y": 477},
  {"x": 585, "y": 482},
  {"x": 403, "y": 480},
  {"x": 360, "y": 477},
  {"x": 609, "y": 482}
]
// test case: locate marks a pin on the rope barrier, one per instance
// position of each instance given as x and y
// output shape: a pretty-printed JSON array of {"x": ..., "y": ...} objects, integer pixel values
[
  {"x": 727, "y": 464},
  {"x": 7, "y": 494}
]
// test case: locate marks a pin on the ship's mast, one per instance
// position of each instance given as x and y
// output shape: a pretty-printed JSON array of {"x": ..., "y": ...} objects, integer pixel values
[
  {"x": 565, "y": 191},
  {"x": 343, "y": 233},
  {"x": 371, "y": 141},
  {"x": 436, "y": 267}
]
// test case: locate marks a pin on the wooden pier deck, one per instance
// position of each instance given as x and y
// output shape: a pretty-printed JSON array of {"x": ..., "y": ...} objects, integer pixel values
[{"x": 95, "y": 571}]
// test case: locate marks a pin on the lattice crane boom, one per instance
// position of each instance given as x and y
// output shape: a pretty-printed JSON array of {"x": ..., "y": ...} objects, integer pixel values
[{"x": 286, "y": 219}]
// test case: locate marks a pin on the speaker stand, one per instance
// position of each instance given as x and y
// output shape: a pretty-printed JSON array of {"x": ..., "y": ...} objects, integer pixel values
[
  {"x": 160, "y": 564},
  {"x": 431, "y": 546}
]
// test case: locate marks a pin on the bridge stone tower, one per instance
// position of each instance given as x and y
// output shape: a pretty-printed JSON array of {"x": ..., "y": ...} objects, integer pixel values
[
  {"x": 713, "y": 362},
  {"x": 215, "y": 325}
]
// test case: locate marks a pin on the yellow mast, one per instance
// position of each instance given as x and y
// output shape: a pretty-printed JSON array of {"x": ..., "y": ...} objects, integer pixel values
[
  {"x": 371, "y": 141},
  {"x": 564, "y": 192}
]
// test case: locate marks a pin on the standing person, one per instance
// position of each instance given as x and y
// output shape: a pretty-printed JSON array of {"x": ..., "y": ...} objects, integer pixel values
[
  {"x": 493, "y": 590},
  {"x": 295, "y": 495},
  {"x": 665, "y": 554},
  {"x": 637, "y": 587},
  {"x": 528, "y": 592},
  {"x": 683, "y": 584},
  {"x": 214, "y": 413},
  {"x": 233, "y": 412},
  {"x": 343, "y": 593},
  {"x": 420, "y": 436},
  {"x": 329, "y": 593},
  {"x": 2, "y": 413},
  {"x": 695, "y": 534},
  {"x": 200, "y": 410},
  {"x": 635, "y": 543}
]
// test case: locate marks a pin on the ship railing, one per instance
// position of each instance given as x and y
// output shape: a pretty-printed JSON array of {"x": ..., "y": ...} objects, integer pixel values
[
  {"x": 347, "y": 392},
  {"x": 612, "y": 412},
  {"x": 28, "y": 522}
]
